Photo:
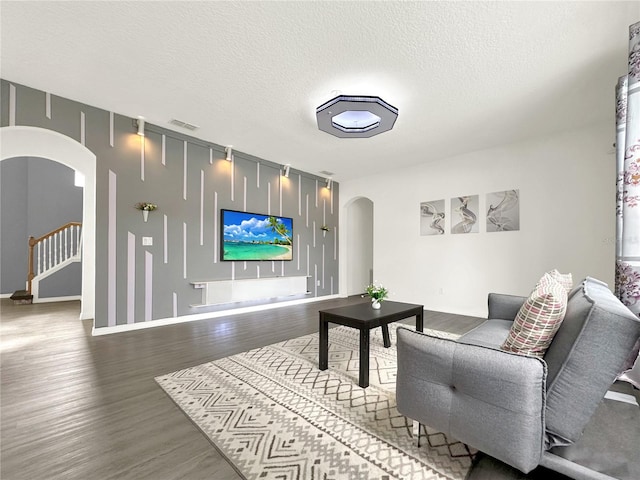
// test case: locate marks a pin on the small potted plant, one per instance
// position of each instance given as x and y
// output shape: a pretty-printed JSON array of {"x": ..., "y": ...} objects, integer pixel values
[
  {"x": 145, "y": 208},
  {"x": 377, "y": 293}
]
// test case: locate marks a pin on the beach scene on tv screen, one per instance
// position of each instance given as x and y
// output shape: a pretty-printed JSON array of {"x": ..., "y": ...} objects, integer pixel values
[{"x": 248, "y": 236}]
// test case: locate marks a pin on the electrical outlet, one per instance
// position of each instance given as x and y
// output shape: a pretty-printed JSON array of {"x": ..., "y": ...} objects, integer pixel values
[
  {"x": 318, "y": 283},
  {"x": 147, "y": 241}
]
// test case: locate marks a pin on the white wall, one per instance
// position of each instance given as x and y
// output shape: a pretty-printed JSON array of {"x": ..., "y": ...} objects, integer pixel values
[{"x": 567, "y": 221}]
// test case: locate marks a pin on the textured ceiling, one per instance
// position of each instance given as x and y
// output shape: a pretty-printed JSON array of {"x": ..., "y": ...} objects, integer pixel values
[{"x": 464, "y": 75}]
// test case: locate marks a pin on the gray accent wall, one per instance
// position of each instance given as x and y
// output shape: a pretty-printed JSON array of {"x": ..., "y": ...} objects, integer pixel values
[
  {"x": 36, "y": 197},
  {"x": 190, "y": 180}
]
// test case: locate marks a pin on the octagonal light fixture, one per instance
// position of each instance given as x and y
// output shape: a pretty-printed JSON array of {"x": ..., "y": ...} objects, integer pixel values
[{"x": 351, "y": 116}]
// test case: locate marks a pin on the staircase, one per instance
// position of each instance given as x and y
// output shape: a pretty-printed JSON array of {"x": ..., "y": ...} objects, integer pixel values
[{"x": 47, "y": 255}]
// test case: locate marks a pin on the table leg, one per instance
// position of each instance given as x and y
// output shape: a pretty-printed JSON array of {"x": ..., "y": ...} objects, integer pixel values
[
  {"x": 420, "y": 321},
  {"x": 363, "y": 378},
  {"x": 323, "y": 362},
  {"x": 385, "y": 336}
]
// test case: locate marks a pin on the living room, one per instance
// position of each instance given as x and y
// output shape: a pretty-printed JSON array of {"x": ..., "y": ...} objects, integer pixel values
[{"x": 550, "y": 139}]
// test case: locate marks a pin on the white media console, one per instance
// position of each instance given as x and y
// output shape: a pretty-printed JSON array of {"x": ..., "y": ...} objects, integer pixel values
[{"x": 216, "y": 292}]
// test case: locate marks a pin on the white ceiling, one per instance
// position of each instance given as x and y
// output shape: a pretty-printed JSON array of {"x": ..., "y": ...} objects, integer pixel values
[{"x": 464, "y": 75}]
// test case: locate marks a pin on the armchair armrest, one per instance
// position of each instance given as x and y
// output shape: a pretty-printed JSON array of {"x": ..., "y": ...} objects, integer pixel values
[
  {"x": 489, "y": 399},
  {"x": 504, "y": 307}
]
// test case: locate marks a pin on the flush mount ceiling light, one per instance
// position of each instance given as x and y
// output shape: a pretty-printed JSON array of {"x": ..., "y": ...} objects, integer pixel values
[{"x": 350, "y": 116}]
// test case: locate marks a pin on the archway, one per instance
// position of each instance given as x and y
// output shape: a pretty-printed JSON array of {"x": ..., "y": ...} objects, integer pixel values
[
  {"x": 358, "y": 213},
  {"x": 21, "y": 141}
]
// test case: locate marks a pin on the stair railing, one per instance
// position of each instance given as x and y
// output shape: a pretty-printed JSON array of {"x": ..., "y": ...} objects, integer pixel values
[{"x": 53, "y": 248}]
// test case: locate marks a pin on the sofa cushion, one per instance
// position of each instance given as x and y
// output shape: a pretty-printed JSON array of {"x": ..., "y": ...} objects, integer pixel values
[
  {"x": 538, "y": 319},
  {"x": 491, "y": 334},
  {"x": 588, "y": 352}
]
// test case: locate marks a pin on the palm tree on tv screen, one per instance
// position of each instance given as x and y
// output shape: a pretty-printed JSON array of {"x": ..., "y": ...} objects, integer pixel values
[{"x": 280, "y": 228}]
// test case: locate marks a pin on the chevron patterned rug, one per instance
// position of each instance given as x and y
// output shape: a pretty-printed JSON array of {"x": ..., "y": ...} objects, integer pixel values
[{"x": 274, "y": 415}]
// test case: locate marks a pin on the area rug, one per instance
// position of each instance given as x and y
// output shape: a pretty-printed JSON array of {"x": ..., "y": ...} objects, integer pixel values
[{"x": 274, "y": 415}]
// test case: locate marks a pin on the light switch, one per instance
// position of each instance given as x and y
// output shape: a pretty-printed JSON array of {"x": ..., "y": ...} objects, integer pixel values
[{"x": 147, "y": 241}]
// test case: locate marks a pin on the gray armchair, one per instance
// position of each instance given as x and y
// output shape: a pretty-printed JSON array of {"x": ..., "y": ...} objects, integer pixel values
[{"x": 513, "y": 407}]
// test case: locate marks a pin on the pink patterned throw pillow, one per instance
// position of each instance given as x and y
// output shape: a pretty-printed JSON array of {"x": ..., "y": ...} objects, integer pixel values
[
  {"x": 538, "y": 319},
  {"x": 564, "y": 279}
]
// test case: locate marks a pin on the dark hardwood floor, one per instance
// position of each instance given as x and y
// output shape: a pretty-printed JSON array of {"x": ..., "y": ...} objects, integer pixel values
[{"x": 75, "y": 406}]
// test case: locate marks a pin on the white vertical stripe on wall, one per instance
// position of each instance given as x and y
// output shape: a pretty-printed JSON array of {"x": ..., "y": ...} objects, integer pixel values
[
  {"x": 299, "y": 195},
  {"x": 273, "y": 266},
  {"x": 314, "y": 233},
  {"x": 282, "y": 268},
  {"x": 307, "y": 212},
  {"x": 148, "y": 286},
  {"x": 165, "y": 239},
  {"x": 111, "y": 260},
  {"x": 201, "y": 207},
  {"x": 257, "y": 271},
  {"x": 315, "y": 280},
  {"x": 233, "y": 173},
  {"x": 331, "y": 284},
  {"x": 308, "y": 260},
  {"x": 47, "y": 105},
  {"x": 331, "y": 197},
  {"x": 131, "y": 278},
  {"x": 12, "y": 105},
  {"x": 324, "y": 212},
  {"x": 142, "y": 158},
  {"x": 211, "y": 156},
  {"x": 244, "y": 265},
  {"x": 233, "y": 270},
  {"x": 268, "y": 198},
  {"x": 164, "y": 150},
  {"x": 298, "y": 250},
  {"x": 175, "y": 304},
  {"x": 257, "y": 174},
  {"x": 244, "y": 193},
  {"x": 280, "y": 195},
  {"x": 82, "y": 129},
  {"x": 184, "y": 249},
  {"x": 317, "y": 193},
  {"x": 111, "y": 121},
  {"x": 323, "y": 266},
  {"x": 184, "y": 171},
  {"x": 215, "y": 227},
  {"x": 335, "y": 243}
]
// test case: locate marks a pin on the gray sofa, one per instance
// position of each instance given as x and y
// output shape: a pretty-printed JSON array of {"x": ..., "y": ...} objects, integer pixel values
[{"x": 515, "y": 407}]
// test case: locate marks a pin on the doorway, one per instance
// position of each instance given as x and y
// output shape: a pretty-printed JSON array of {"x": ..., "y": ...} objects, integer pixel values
[
  {"x": 359, "y": 245},
  {"x": 21, "y": 141}
]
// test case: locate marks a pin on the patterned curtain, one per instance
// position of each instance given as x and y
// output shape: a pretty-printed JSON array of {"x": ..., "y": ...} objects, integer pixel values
[{"x": 627, "y": 281}]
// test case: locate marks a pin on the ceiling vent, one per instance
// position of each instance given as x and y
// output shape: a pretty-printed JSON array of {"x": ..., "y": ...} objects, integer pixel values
[{"x": 181, "y": 124}]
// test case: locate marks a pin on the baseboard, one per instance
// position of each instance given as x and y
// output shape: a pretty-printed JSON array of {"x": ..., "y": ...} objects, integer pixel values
[
  {"x": 206, "y": 316},
  {"x": 57, "y": 299},
  {"x": 5, "y": 295}
]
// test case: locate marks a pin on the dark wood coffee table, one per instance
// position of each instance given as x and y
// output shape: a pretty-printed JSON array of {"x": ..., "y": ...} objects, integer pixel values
[{"x": 363, "y": 317}]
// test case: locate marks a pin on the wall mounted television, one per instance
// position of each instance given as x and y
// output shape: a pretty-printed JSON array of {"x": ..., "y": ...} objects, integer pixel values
[{"x": 253, "y": 236}]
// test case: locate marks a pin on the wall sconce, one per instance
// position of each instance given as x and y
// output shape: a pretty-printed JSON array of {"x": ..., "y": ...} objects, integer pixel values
[
  {"x": 141, "y": 126},
  {"x": 229, "y": 151},
  {"x": 287, "y": 167},
  {"x": 329, "y": 182}
]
